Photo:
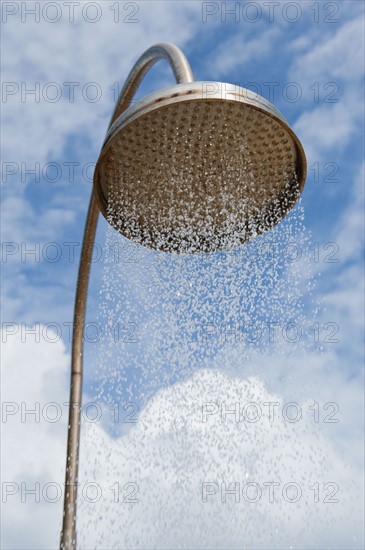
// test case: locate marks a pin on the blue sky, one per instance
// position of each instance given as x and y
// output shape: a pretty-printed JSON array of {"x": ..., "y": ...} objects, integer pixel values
[{"x": 312, "y": 49}]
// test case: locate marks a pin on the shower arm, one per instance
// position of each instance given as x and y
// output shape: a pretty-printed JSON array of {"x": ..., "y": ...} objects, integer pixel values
[{"x": 182, "y": 72}]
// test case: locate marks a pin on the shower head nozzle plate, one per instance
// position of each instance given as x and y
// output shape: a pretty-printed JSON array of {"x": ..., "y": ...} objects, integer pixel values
[{"x": 199, "y": 167}]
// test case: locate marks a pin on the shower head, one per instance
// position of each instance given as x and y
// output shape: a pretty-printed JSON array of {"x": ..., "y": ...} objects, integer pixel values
[{"x": 198, "y": 167}]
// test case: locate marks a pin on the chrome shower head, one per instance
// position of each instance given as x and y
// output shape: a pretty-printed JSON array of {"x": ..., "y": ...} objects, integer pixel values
[{"x": 198, "y": 167}]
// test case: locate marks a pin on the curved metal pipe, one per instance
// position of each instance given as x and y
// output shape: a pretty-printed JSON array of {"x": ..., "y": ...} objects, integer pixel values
[
  {"x": 182, "y": 72},
  {"x": 171, "y": 53}
]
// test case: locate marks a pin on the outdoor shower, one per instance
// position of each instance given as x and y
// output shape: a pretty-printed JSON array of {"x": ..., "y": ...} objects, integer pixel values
[{"x": 196, "y": 167}]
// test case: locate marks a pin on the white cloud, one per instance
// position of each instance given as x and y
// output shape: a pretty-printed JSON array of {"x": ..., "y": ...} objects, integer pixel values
[
  {"x": 349, "y": 229},
  {"x": 237, "y": 50},
  {"x": 22, "y": 224},
  {"x": 34, "y": 375},
  {"x": 171, "y": 452},
  {"x": 333, "y": 70},
  {"x": 337, "y": 54},
  {"x": 327, "y": 130}
]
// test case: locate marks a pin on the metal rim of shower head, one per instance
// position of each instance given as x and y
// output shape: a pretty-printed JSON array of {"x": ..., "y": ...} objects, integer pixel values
[{"x": 213, "y": 100}]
